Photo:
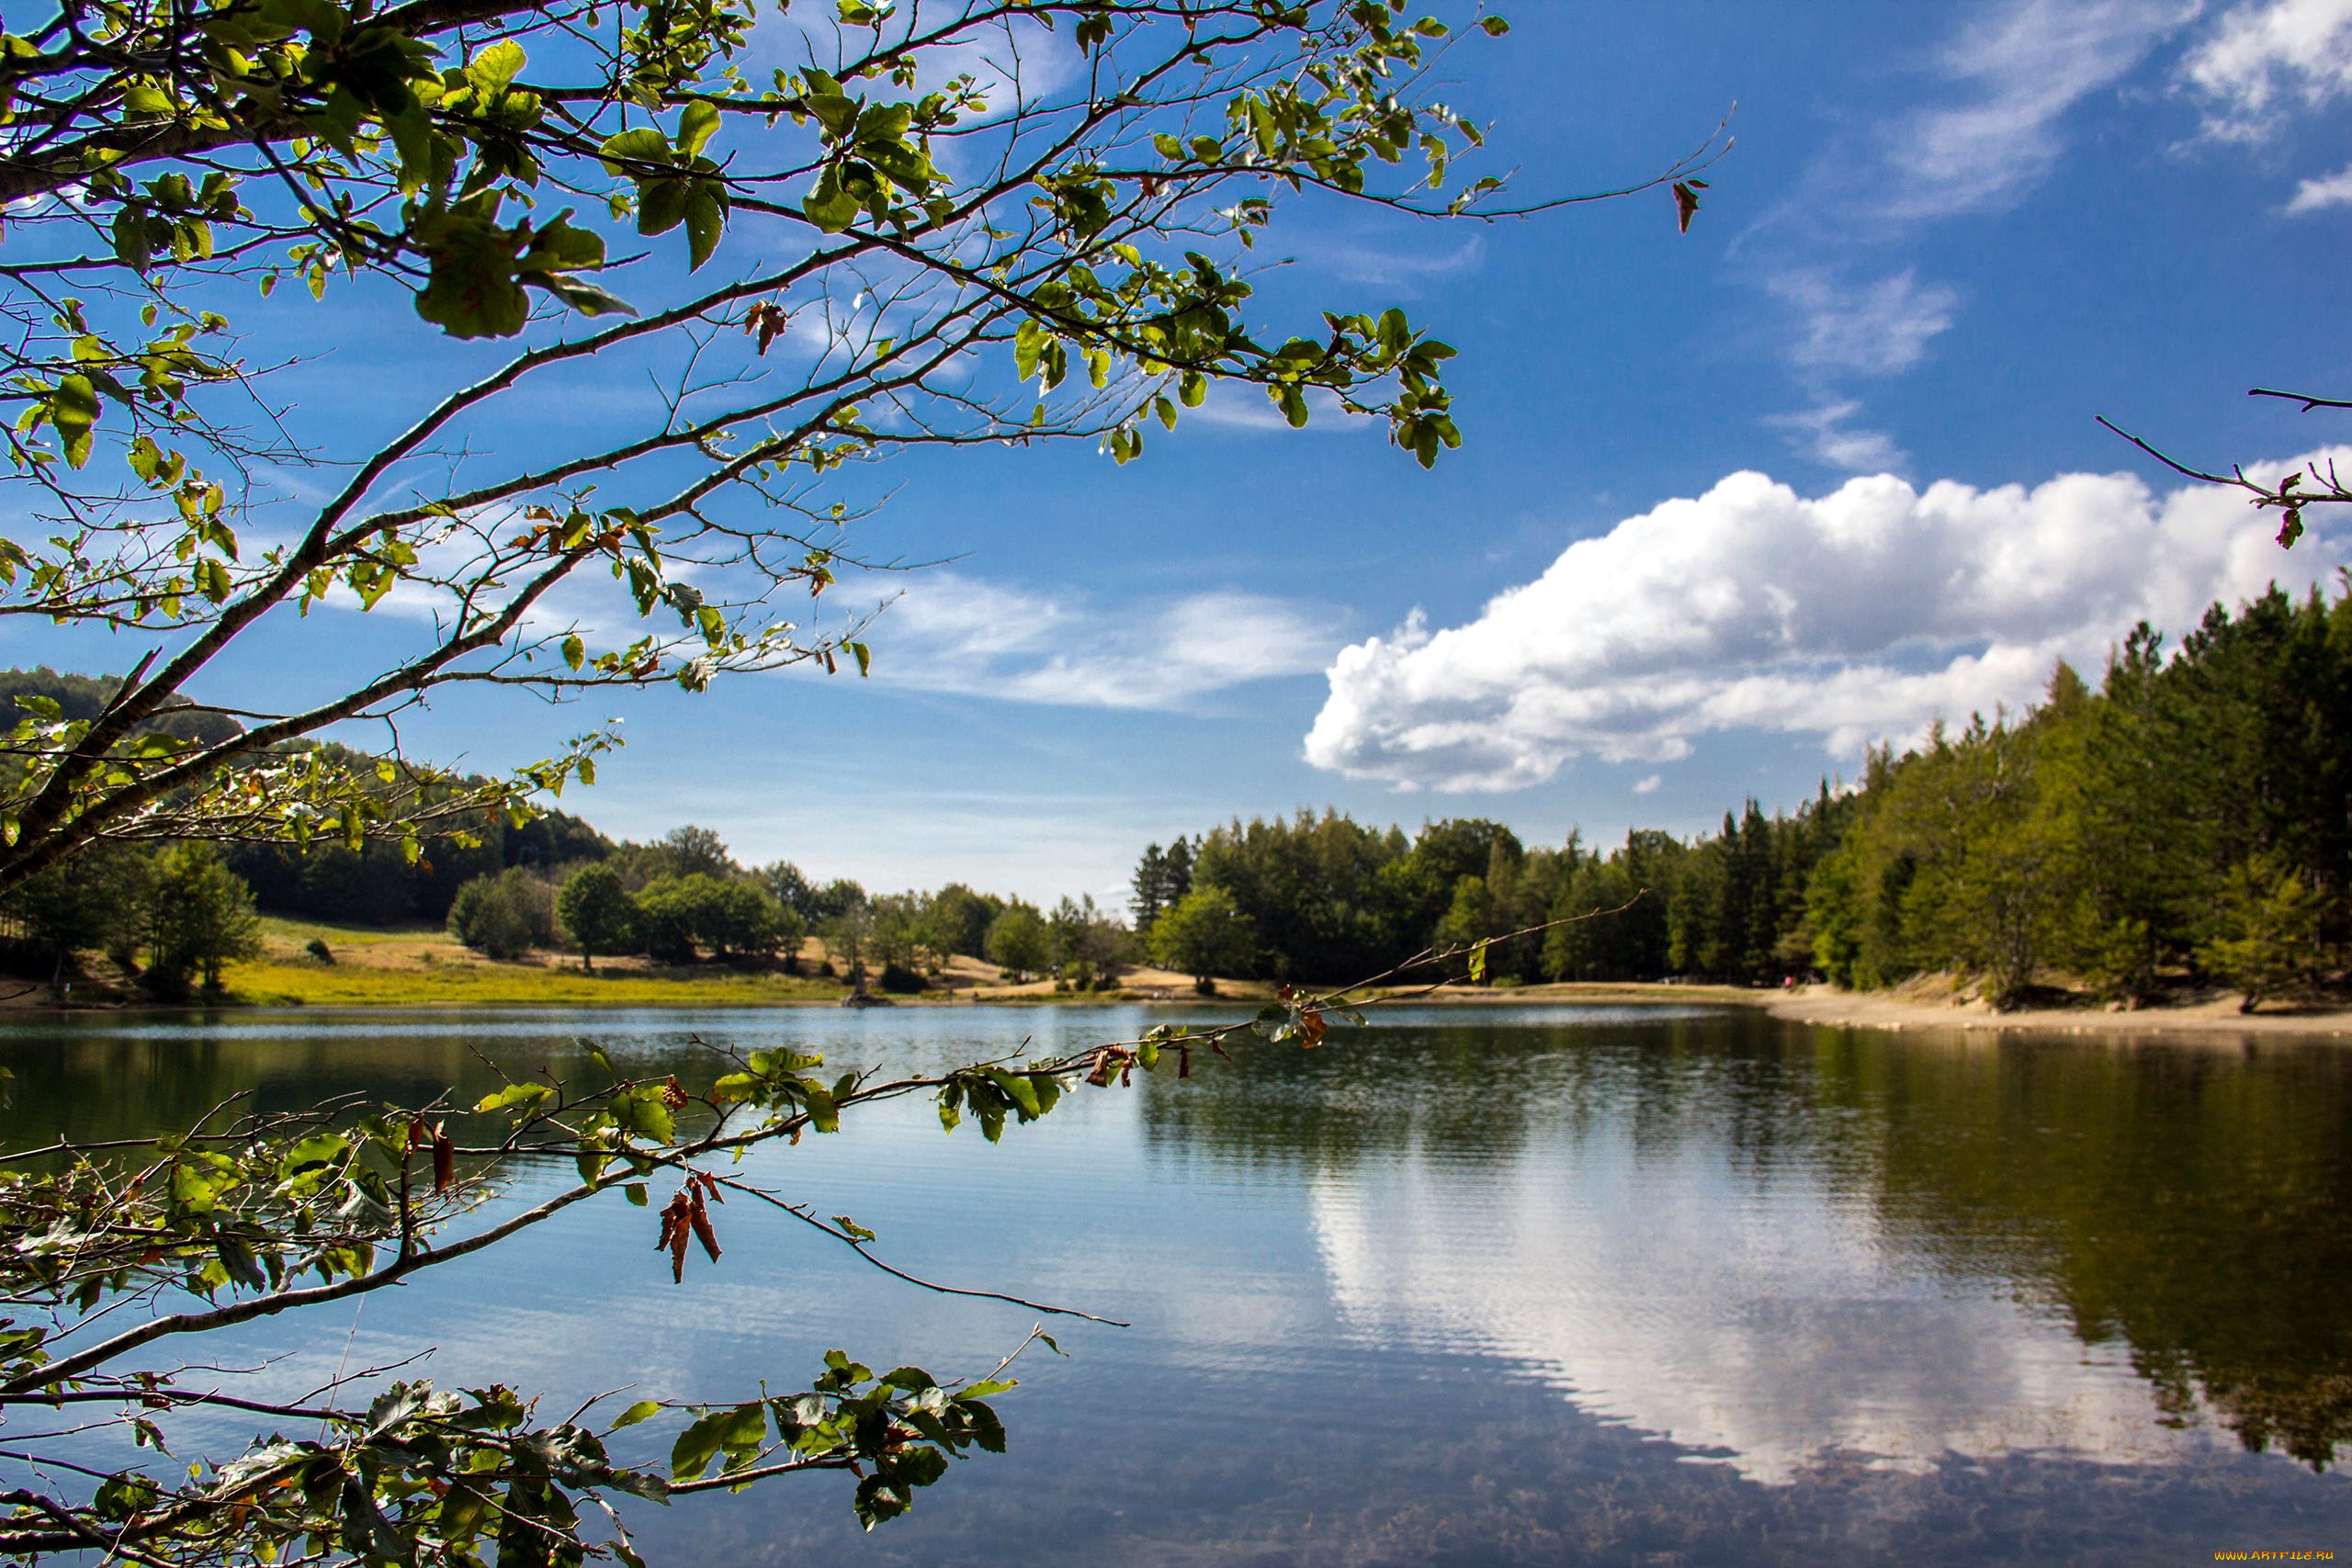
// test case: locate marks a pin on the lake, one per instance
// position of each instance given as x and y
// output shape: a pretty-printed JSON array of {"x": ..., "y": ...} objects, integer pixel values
[{"x": 1474, "y": 1285}]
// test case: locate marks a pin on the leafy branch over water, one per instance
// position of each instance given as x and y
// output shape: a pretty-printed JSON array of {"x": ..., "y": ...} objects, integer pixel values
[{"x": 112, "y": 1251}]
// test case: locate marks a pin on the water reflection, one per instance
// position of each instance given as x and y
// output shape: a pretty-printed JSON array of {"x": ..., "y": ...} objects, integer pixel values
[
  {"x": 1777, "y": 1243},
  {"x": 1472, "y": 1286}
]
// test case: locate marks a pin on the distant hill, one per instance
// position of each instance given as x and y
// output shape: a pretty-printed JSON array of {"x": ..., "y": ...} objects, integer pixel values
[
  {"x": 374, "y": 885},
  {"x": 86, "y": 697}
]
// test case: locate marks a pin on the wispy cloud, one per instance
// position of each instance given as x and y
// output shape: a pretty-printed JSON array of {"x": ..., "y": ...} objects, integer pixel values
[
  {"x": 1866, "y": 328},
  {"x": 2317, "y": 196},
  {"x": 1822, "y": 434},
  {"x": 952, "y": 632},
  {"x": 2262, "y": 59},
  {"x": 2014, "y": 74},
  {"x": 1984, "y": 126},
  {"x": 1649, "y": 786},
  {"x": 1400, "y": 272}
]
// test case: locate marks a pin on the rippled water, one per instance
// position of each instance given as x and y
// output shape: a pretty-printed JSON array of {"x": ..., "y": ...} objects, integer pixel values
[{"x": 1474, "y": 1285}]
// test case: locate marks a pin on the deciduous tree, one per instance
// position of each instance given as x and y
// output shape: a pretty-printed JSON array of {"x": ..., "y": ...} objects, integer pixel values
[
  {"x": 1019, "y": 941},
  {"x": 597, "y": 913},
  {"x": 200, "y": 917},
  {"x": 1206, "y": 935}
]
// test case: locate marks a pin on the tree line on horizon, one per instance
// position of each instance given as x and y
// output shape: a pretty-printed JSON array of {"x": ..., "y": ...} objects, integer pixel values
[
  {"x": 173, "y": 915},
  {"x": 684, "y": 898},
  {"x": 2188, "y": 820}
]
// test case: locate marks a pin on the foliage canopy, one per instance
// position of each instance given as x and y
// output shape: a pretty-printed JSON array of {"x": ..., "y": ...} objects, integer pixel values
[{"x": 997, "y": 221}]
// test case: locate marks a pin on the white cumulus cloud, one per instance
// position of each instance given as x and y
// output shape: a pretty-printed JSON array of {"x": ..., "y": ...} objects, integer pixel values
[{"x": 1852, "y": 616}]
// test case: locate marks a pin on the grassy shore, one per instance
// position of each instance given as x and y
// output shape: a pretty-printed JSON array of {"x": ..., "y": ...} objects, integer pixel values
[
  {"x": 518, "y": 985},
  {"x": 423, "y": 966}
]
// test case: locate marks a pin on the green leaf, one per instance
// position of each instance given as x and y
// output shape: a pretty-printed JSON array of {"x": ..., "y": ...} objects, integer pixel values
[
  {"x": 661, "y": 205},
  {"x": 73, "y": 409},
  {"x": 1018, "y": 1089},
  {"x": 696, "y": 125},
  {"x": 130, "y": 234},
  {"x": 642, "y": 1410},
  {"x": 575, "y": 652},
  {"x": 698, "y": 1445},
  {"x": 828, "y": 206},
  {"x": 587, "y": 298},
  {"x": 643, "y": 145},
  {"x": 529, "y": 1095},
  {"x": 706, "y": 221},
  {"x": 491, "y": 69}
]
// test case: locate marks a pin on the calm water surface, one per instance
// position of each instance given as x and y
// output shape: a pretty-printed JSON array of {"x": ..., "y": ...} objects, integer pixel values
[{"x": 1472, "y": 1286}]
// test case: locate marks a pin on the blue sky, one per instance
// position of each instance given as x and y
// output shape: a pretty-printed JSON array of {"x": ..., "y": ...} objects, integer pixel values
[{"x": 1730, "y": 504}]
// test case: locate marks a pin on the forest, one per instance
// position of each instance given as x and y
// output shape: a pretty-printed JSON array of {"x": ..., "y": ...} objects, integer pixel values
[{"x": 2187, "y": 820}]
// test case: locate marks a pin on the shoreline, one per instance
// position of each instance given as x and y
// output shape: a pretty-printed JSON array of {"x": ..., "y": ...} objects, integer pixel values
[
  {"x": 2215, "y": 1020},
  {"x": 1821, "y": 1005}
]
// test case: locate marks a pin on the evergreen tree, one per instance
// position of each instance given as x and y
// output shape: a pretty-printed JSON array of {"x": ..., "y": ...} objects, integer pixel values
[
  {"x": 1149, "y": 887},
  {"x": 2265, "y": 932}
]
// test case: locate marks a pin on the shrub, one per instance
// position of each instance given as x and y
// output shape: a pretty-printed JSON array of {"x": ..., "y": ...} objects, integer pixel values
[
  {"x": 899, "y": 978},
  {"x": 503, "y": 916},
  {"x": 733, "y": 918},
  {"x": 317, "y": 948}
]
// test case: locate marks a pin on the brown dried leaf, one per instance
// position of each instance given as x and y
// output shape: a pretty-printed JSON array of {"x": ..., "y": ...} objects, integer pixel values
[
  {"x": 700, "y": 1219},
  {"x": 1686, "y": 204}
]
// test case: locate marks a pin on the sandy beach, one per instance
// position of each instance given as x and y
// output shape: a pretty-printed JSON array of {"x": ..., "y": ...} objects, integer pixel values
[{"x": 2217, "y": 1019}]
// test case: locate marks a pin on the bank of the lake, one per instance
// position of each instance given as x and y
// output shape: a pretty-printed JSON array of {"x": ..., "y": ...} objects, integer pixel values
[
  {"x": 371, "y": 967},
  {"x": 2217, "y": 1017}
]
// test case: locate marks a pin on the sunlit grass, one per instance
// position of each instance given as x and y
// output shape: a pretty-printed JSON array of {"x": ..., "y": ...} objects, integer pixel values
[
  {"x": 269, "y": 984},
  {"x": 297, "y": 933}
]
